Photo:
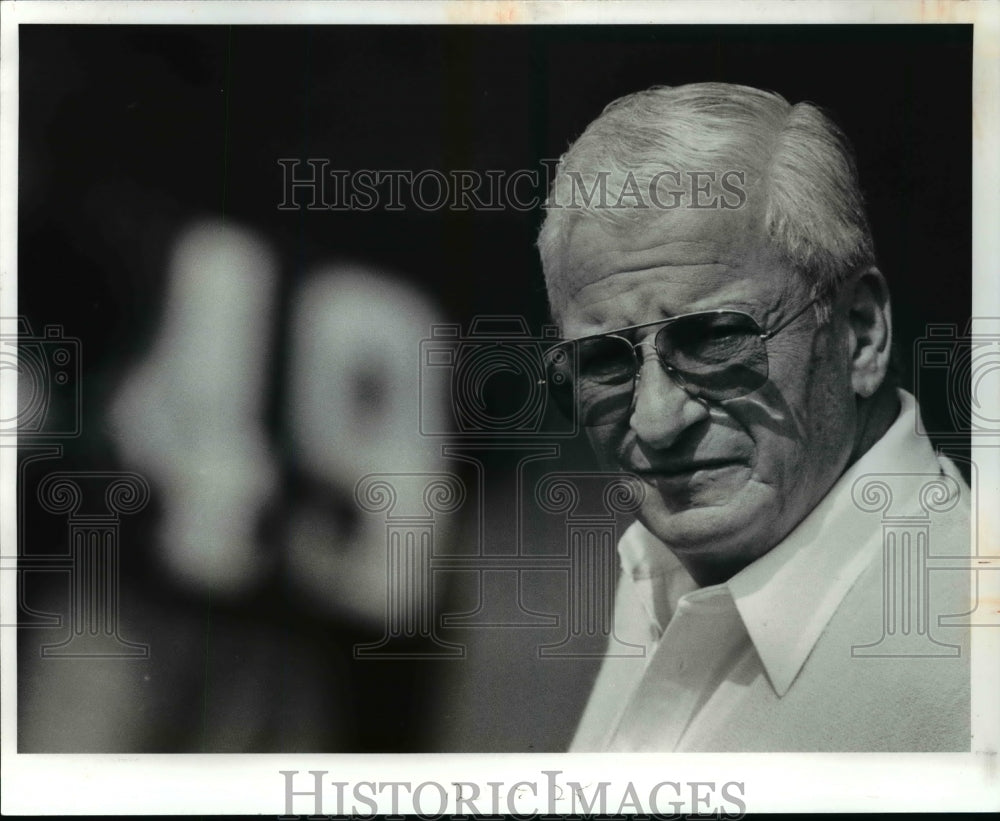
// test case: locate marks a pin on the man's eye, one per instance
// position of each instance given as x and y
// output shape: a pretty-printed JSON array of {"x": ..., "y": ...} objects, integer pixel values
[
  {"x": 723, "y": 337},
  {"x": 721, "y": 333},
  {"x": 719, "y": 342},
  {"x": 604, "y": 365}
]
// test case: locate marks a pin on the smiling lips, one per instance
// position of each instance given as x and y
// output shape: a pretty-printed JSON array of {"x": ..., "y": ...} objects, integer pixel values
[{"x": 681, "y": 470}]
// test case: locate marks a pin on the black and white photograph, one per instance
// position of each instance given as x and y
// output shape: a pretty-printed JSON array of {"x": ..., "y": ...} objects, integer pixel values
[{"x": 400, "y": 401}]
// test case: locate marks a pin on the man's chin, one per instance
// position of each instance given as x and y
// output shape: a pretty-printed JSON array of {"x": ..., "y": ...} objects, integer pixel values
[{"x": 711, "y": 522}]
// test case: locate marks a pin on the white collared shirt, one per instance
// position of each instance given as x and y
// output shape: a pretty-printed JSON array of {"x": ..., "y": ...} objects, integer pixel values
[{"x": 765, "y": 661}]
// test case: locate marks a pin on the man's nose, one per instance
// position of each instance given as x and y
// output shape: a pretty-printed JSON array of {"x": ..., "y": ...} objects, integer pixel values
[{"x": 663, "y": 410}]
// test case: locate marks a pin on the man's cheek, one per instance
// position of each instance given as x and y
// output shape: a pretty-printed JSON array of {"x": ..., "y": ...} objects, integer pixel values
[{"x": 606, "y": 443}]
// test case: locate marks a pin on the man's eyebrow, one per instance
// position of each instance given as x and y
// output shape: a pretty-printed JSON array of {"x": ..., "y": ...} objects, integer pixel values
[
  {"x": 754, "y": 309},
  {"x": 730, "y": 304},
  {"x": 749, "y": 306},
  {"x": 639, "y": 269}
]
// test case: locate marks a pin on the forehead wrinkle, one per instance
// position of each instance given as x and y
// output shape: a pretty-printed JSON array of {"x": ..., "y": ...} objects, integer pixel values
[
  {"x": 609, "y": 262},
  {"x": 609, "y": 275},
  {"x": 710, "y": 274},
  {"x": 630, "y": 305}
]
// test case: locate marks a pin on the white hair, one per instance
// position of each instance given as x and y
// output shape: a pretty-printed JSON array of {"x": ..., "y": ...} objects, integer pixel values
[{"x": 798, "y": 165}]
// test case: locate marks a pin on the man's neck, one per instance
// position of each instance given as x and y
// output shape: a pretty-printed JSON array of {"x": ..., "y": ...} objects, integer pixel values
[{"x": 875, "y": 416}]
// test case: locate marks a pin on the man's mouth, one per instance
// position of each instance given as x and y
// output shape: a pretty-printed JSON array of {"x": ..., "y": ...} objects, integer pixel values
[{"x": 685, "y": 470}]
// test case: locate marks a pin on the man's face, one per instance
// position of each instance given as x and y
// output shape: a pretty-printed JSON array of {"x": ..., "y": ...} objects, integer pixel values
[{"x": 725, "y": 480}]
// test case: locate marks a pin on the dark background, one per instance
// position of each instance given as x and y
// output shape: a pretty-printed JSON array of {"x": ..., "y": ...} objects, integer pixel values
[{"x": 129, "y": 132}]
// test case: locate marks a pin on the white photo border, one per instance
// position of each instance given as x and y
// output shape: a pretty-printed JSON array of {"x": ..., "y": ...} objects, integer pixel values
[{"x": 157, "y": 784}]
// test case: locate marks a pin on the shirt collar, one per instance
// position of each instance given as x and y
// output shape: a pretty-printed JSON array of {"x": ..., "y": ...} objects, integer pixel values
[{"x": 787, "y": 596}]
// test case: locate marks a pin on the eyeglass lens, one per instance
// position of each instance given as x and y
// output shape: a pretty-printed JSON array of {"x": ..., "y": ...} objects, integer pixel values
[{"x": 717, "y": 355}]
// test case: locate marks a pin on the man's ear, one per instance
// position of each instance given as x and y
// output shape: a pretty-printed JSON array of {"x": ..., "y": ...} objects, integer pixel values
[{"x": 869, "y": 319}]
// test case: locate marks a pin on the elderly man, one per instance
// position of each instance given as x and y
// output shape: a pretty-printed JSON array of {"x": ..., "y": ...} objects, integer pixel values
[{"x": 708, "y": 260}]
